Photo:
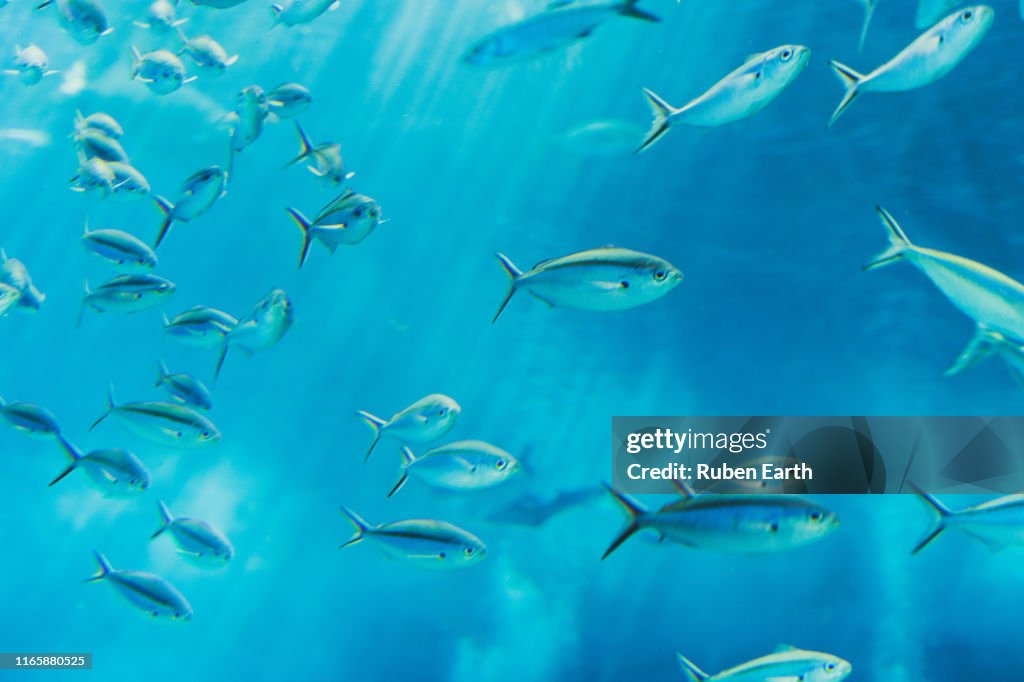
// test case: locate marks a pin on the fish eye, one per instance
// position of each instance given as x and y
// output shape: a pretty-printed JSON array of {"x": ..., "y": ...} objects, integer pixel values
[
  {"x": 967, "y": 15},
  {"x": 659, "y": 275},
  {"x": 500, "y": 464},
  {"x": 205, "y": 434},
  {"x": 442, "y": 555},
  {"x": 830, "y": 666},
  {"x": 469, "y": 551},
  {"x": 442, "y": 412},
  {"x": 774, "y": 527},
  {"x": 786, "y": 54},
  {"x": 815, "y": 516},
  {"x": 359, "y": 212},
  {"x": 373, "y": 213}
]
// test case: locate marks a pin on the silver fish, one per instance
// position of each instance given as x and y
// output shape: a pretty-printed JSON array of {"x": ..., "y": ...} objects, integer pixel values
[
  {"x": 607, "y": 278},
  {"x": 129, "y": 183},
  {"x": 986, "y": 342},
  {"x": 198, "y": 193},
  {"x": 14, "y": 274},
  {"x": 425, "y": 542},
  {"x": 351, "y": 220},
  {"x": 787, "y": 664},
  {"x": 262, "y": 327},
  {"x": 561, "y": 25},
  {"x": 247, "y": 120},
  {"x": 207, "y": 53},
  {"x": 94, "y": 144},
  {"x": 120, "y": 248},
  {"x": 127, "y": 294},
  {"x": 169, "y": 424},
  {"x": 185, "y": 388},
  {"x": 463, "y": 465},
  {"x": 161, "y": 18},
  {"x": 742, "y": 93},
  {"x": 424, "y": 421},
  {"x": 196, "y": 539},
  {"x": 116, "y": 472},
  {"x": 295, "y": 12},
  {"x": 100, "y": 122},
  {"x": 150, "y": 593},
  {"x": 85, "y": 20},
  {"x": 94, "y": 174},
  {"x": 730, "y": 523},
  {"x": 997, "y": 523},
  {"x": 31, "y": 419},
  {"x": 934, "y": 54},
  {"x": 201, "y": 327},
  {"x": 32, "y": 64},
  {"x": 160, "y": 70},
  {"x": 288, "y": 100},
  {"x": 326, "y": 157},
  {"x": 218, "y": 4}
]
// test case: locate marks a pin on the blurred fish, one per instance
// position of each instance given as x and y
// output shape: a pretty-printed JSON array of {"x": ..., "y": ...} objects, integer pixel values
[
  {"x": 869, "y": 11},
  {"x": 424, "y": 421},
  {"x": 987, "y": 296},
  {"x": 532, "y": 510},
  {"x": 160, "y": 70},
  {"x": 13, "y": 273},
  {"x": 197, "y": 195},
  {"x": 607, "y": 278},
  {"x": 261, "y": 328},
  {"x": 30, "y": 136},
  {"x": 32, "y": 64},
  {"x": 207, "y": 53},
  {"x": 169, "y": 424},
  {"x": 129, "y": 183},
  {"x": 933, "y": 55},
  {"x": 196, "y": 539},
  {"x": 326, "y": 157},
  {"x": 201, "y": 327},
  {"x": 562, "y": 24},
  {"x": 100, "y": 122},
  {"x": 161, "y": 17},
  {"x": 116, "y": 472},
  {"x": 984, "y": 343},
  {"x": 185, "y": 388},
  {"x": 787, "y": 664},
  {"x": 730, "y": 523},
  {"x": 288, "y": 100},
  {"x": 425, "y": 542},
  {"x": 295, "y": 12},
  {"x": 120, "y": 248},
  {"x": 607, "y": 138},
  {"x": 247, "y": 120},
  {"x": 930, "y": 11},
  {"x": 93, "y": 174},
  {"x": 463, "y": 465},
  {"x": 85, "y": 20},
  {"x": 31, "y": 419},
  {"x": 742, "y": 93},
  {"x": 127, "y": 294},
  {"x": 218, "y": 4},
  {"x": 996, "y": 523},
  {"x": 94, "y": 144},
  {"x": 150, "y": 593}
]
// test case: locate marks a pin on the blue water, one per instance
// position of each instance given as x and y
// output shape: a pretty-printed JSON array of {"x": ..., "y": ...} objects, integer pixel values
[{"x": 770, "y": 219}]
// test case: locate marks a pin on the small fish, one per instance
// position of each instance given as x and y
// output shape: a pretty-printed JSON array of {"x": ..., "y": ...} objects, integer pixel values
[
  {"x": 162, "y": 18},
  {"x": 743, "y": 524},
  {"x": 94, "y": 144},
  {"x": 247, "y": 120},
  {"x": 185, "y": 388},
  {"x": 424, "y": 421},
  {"x": 997, "y": 523},
  {"x": 463, "y": 465},
  {"x": 428, "y": 543},
  {"x": 129, "y": 183},
  {"x": 326, "y": 157},
  {"x": 100, "y": 122},
  {"x": 218, "y": 4},
  {"x": 13, "y": 273},
  {"x": 94, "y": 174},
  {"x": 987, "y": 296},
  {"x": 288, "y": 100},
  {"x": 32, "y": 64},
  {"x": 607, "y": 278},
  {"x": 869, "y": 12},
  {"x": 261, "y": 328},
  {"x": 934, "y": 54},
  {"x": 742, "y": 93},
  {"x": 117, "y": 472},
  {"x": 196, "y": 539},
  {"x": 150, "y": 593},
  {"x": 930, "y": 11},
  {"x": 120, "y": 248},
  {"x": 85, "y": 20},
  {"x": 169, "y": 424},
  {"x": 207, "y": 53},
  {"x": 787, "y": 664},
  {"x": 984, "y": 343},
  {"x": 532, "y": 510},
  {"x": 561, "y": 25},
  {"x": 198, "y": 194},
  {"x": 295, "y": 12},
  {"x": 201, "y": 327},
  {"x": 160, "y": 70},
  {"x": 31, "y": 419},
  {"x": 127, "y": 294}
]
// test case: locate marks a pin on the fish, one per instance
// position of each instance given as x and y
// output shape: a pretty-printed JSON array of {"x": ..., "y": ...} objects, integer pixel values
[
  {"x": 130, "y": 293},
  {"x": 85, "y": 20},
  {"x": 931, "y": 56},
  {"x": 602, "y": 279},
  {"x": 32, "y": 64},
  {"x": 426, "y": 420},
  {"x": 150, "y": 593},
  {"x": 94, "y": 144},
  {"x": 346, "y": 221},
  {"x": 100, "y": 122},
  {"x": 115, "y": 471},
  {"x": 160, "y": 70},
  {"x": 869, "y": 12},
  {"x": 424, "y": 542},
  {"x": 207, "y": 53},
  {"x": 560, "y": 25},
  {"x": 463, "y": 465},
  {"x": 744, "y": 92},
  {"x": 218, "y": 4},
  {"x": 129, "y": 183},
  {"x": 247, "y": 120},
  {"x": 295, "y": 12},
  {"x": 161, "y": 17},
  {"x": 169, "y": 424},
  {"x": 786, "y": 664},
  {"x": 930, "y": 11},
  {"x": 532, "y": 510},
  {"x": 997, "y": 523},
  {"x": 326, "y": 157},
  {"x": 184, "y": 388},
  {"x": 14, "y": 274},
  {"x": 31, "y": 419},
  {"x": 745, "y": 524},
  {"x": 262, "y": 327},
  {"x": 120, "y": 248},
  {"x": 197, "y": 195},
  {"x": 608, "y": 138},
  {"x": 288, "y": 100},
  {"x": 94, "y": 174},
  {"x": 987, "y": 296},
  {"x": 984, "y": 343},
  {"x": 195, "y": 539},
  {"x": 201, "y": 326}
]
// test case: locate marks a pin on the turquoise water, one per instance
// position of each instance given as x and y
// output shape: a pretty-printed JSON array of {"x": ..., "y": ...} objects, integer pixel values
[{"x": 770, "y": 220}]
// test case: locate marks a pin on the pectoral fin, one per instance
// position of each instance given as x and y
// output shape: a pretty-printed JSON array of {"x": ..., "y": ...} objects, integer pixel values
[{"x": 981, "y": 345}]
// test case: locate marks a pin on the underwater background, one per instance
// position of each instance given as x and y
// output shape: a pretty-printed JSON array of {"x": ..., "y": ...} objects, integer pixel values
[{"x": 770, "y": 220}]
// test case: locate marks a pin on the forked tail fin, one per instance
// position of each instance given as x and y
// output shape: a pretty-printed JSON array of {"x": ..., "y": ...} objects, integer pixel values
[
  {"x": 898, "y": 242},
  {"x": 662, "y": 111},
  {"x": 851, "y": 81},
  {"x": 635, "y": 511}
]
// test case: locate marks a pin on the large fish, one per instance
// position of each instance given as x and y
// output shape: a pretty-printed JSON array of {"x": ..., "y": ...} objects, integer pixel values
[
  {"x": 787, "y": 664},
  {"x": 201, "y": 326},
  {"x": 261, "y": 328},
  {"x": 31, "y": 419},
  {"x": 150, "y": 593},
  {"x": 198, "y": 193},
  {"x": 934, "y": 54},
  {"x": 604, "y": 279},
  {"x": 997, "y": 523},
  {"x": 463, "y": 465},
  {"x": 169, "y": 424},
  {"x": 346, "y": 221},
  {"x": 424, "y": 421},
  {"x": 742, "y": 93},
  {"x": 116, "y": 472},
  {"x": 561, "y": 25},
  {"x": 425, "y": 542},
  {"x": 196, "y": 539}
]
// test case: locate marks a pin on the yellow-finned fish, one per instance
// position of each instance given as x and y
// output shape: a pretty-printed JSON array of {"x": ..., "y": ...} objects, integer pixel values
[
  {"x": 425, "y": 542},
  {"x": 786, "y": 664}
]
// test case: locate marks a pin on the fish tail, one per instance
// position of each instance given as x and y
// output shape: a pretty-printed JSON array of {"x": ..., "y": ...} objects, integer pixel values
[
  {"x": 629, "y": 9},
  {"x": 361, "y": 527},
  {"x": 162, "y": 373},
  {"x": 869, "y": 11},
  {"x": 375, "y": 423},
  {"x": 662, "y": 111},
  {"x": 692, "y": 672},
  {"x": 136, "y": 61},
  {"x": 851, "y": 80},
  {"x": 110, "y": 407},
  {"x": 306, "y": 146},
  {"x": 165, "y": 518},
  {"x": 942, "y": 517},
  {"x": 401, "y": 482},
  {"x": 981, "y": 345},
  {"x": 898, "y": 242},
  {"x": 635, "y": 511},
  {"x": 407, "y": 458},
  {"x": 307, "y": 238},
  {"x": 168, "y": 210},
  {"x": 105, "y": 568},
  {"x": 72, "y": 452},
  {"x": 181, "y": 36},
  {"x": 275, "y": 12},
  {"x": 220, "y": 360},
  {"x": 514, "y": 274}
]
